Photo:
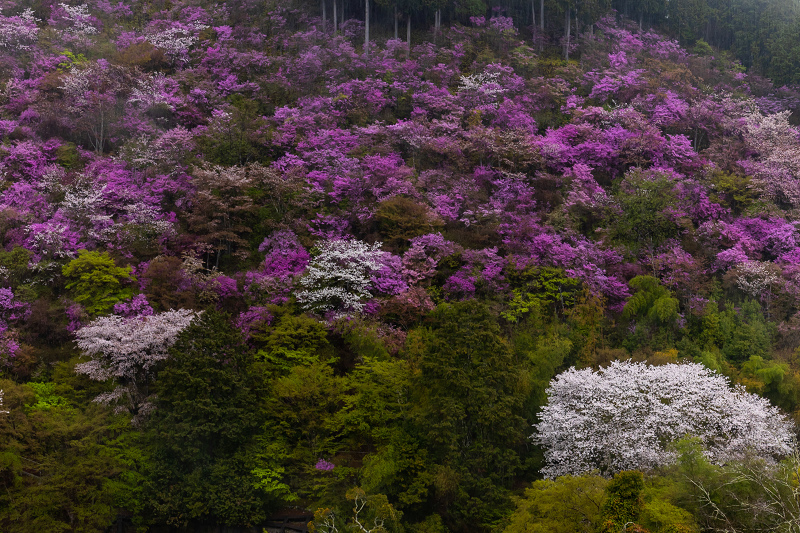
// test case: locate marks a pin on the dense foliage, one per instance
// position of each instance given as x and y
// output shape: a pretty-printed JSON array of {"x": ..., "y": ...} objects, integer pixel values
[{"x": 258, "y": 263}]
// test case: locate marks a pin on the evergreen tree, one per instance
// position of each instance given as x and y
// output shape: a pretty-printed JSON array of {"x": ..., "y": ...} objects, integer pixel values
[{"x": 203, "y": 434}]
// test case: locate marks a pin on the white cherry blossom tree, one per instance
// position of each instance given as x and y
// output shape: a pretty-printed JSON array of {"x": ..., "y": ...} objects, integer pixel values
[
  {"x": 339, "y": 277},
  {"x": 624, "y": 416}
]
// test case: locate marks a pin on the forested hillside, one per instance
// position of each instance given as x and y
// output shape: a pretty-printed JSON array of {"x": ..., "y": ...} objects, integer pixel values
[{"x": 260, "y": 264}]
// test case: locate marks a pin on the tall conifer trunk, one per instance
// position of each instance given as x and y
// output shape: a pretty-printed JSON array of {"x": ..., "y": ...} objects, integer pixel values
[
  {"x": 408, "y": 36},
  {"x": 541, "y": 23},
  {"x": 366, "y": 28}
]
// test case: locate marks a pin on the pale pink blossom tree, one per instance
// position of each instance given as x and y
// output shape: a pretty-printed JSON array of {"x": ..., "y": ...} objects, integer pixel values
[
  {"x": 127, "y": 350},
  {"x": 777, "y": 169},
  {"x": 625, "y": 416}
]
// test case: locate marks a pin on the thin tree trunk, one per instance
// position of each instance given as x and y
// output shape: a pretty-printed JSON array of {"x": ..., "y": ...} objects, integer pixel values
[
  {"x": 395, "y": 21},
  {"x": 541, "y": 15},
  {"x": 334, "y": 16},
  {"x": 436, "y": 15},
  {"x": 366, "y": 28},
  {"x": 324, "y": 16},
  {"x": 341, "y": 20},
  {"x": 408, "y": 36},
  {"x": 567, "y": 28},
  {"x": 533, "y": 14},
  {"x": 541, "y": 24},
  {"x": 641, "y": 18}
]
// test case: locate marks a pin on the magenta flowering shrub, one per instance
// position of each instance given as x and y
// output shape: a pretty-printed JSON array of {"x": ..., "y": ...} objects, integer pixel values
[
  {"x": 422, "y": 258},
  {"x": 12, "y": 312},
  {"x": 324, "y": 466},
  {"x": 483, "y": 271},
  {"x": 136, "y": 306},
  {"x": 254, "y": 318},
  {"x": 285, "y": 256}
]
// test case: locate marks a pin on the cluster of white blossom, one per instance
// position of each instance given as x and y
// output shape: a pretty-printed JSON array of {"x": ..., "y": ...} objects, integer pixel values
[
  {"x": 484, "y": 82},
  {"x": 78, "y": 20},
  {"x": 76, "y": 84},
  {"x": 139, "y": 152},
  {"x": 167, "y": 150},
  {"x": 625, "y": 416},
  {"x": 755, "y": 277},
  {"x": 20, "y": 32},
  {"x": 92, "y": 87},
  {"x": 52, "y": 180},
  {"x": 2, "y": 411},
  {"x": 151, "y": 92},
  {"x": 176, "y": 41},
  {"x": 83, "y": 199},
  {"x": 338, "y": 278},
  {"x": 49, "y": 241},
  {"x": 147, "y": 219},
  {"x": 126, "y": 350},
  {"x": 141, "y": 222}
]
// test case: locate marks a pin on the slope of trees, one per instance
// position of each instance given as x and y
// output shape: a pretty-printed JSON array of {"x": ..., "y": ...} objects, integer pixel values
[{"x": 251, "y": 268}]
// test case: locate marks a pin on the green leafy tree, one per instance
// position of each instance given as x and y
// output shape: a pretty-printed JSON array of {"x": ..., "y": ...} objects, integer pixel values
[
  {"x": 538, "y": 289},
  {"x": 302, "y": 411},
  {"x": 773, "y": 380},
  {"x": 374, "y": 420},
  {"x": 568, "y": 504},
  {"x": 653, "y": 311},
  {"x": 652, "y": 302},
  {"x": 96, "y": 282},
  {"x": 732, "y": 190},
  {"x": 400, "y": 219},
  {"x": 745, "y": 332},
  {"x": 15, "y": 264},
  {"x": 60, "y": 469},
  {"x": 292, "y": 340},
  {"x": 204, "y": 433},
  {"x": 236, "y": 137},
  {"x": 749, "y": 494},
  {"x": 469, "y": 394},
  {"x": 644, "y": 219},
  {"x": 623, "y": 502}
]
